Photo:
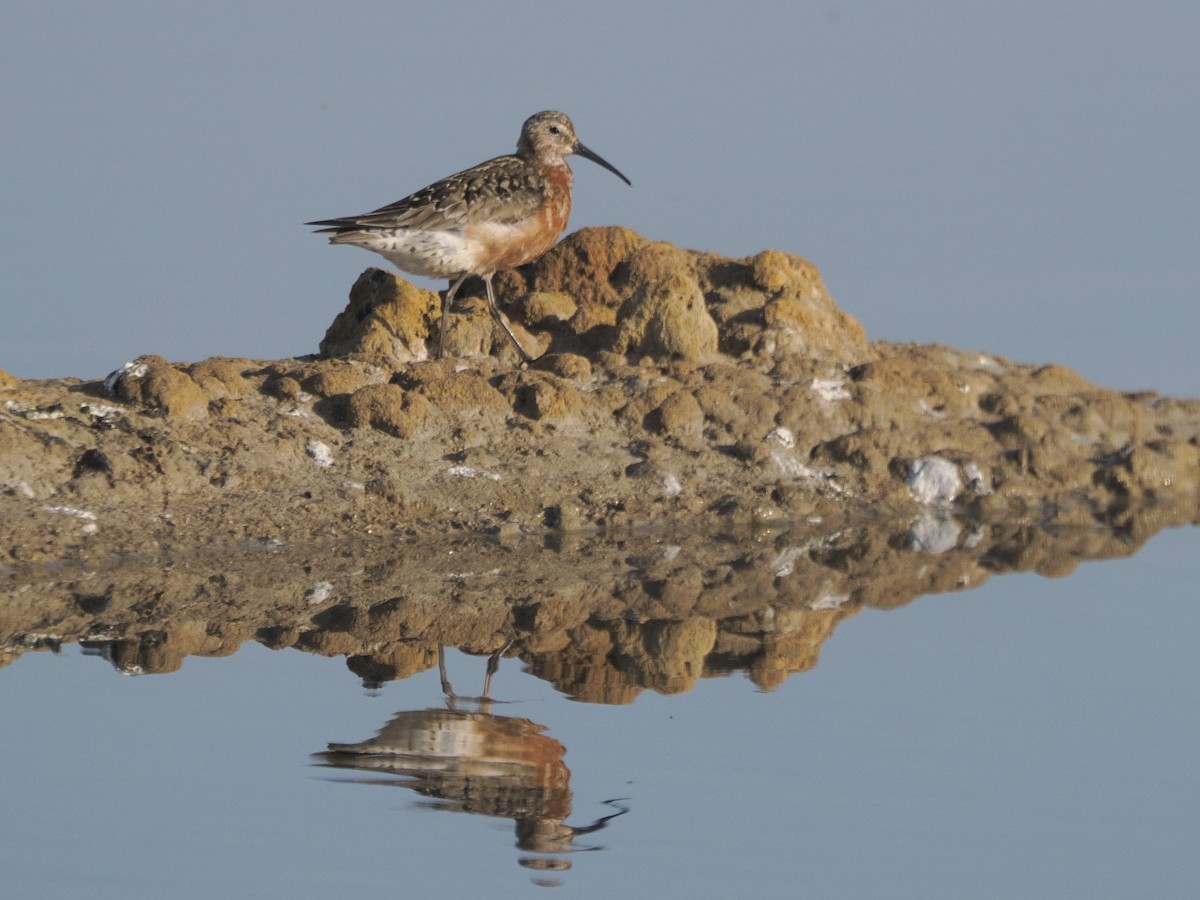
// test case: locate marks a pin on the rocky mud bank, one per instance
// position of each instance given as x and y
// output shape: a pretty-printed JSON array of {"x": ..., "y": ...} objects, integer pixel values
[
  {"x": 707, "y": 468},
  {"x": 675, "y": 389}
]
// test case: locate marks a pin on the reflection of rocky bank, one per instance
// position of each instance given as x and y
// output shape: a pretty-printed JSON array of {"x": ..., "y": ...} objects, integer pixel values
[
  {"x": 600, "y": 618},
  {"x": 675, "y": 387}
]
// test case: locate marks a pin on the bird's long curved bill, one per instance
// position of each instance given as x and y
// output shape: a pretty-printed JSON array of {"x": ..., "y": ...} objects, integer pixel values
[{"x": 600, "y": 161}]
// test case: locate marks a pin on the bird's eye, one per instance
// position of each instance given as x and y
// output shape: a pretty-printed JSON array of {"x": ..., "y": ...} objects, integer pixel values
[{"x": 554, "y": 129}]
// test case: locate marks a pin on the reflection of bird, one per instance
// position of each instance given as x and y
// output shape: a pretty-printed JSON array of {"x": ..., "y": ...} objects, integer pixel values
[
  {"x": 497, "y": 215},
  {"x": 477, "y": 762},
  {"x": 470, "y": 761}
]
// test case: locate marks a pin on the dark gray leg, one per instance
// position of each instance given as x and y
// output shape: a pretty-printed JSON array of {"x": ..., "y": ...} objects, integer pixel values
[
  {"x": 449, "y": 299},
  {"x": 491, "y": 298}
]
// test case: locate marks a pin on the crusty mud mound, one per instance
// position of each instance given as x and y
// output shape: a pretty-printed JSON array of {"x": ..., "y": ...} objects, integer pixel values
[{"x": 675, "y": 390}]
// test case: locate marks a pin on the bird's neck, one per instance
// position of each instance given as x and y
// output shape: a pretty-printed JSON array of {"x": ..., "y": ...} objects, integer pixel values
[{"x": 559, "y": 175}]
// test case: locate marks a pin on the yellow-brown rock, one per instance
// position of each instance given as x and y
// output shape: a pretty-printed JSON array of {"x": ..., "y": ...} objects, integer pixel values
[
  {"x": 335, "y": 377},
  {"x": 666, "y": 318},
  {"x": 540, "y": 396},
  {"x": 473, "y": 333},
  {"x": 222, "y": 377},
  {"x": 540, "y": 308},
  {"x": 567, "y": 365},
  {"x": 389, "y": 408},
  {"x": 155, "y": 384},
  {"x": 464, "y": 394},
  {"x": 800, "y": 312},
  {"x": 388, "y": 321},
  {"x": 678, "y": 416},
  {"x": 586, "y": 266}
]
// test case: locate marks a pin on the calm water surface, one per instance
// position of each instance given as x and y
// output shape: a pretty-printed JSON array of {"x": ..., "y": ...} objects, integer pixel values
[{"x": 1031, "y": 738}]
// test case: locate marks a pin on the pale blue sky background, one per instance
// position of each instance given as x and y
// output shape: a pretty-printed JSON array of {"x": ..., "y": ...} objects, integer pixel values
[{"x": 1015, "y": 177}]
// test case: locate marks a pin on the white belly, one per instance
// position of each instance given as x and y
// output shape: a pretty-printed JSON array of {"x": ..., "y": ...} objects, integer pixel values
[{"x": 434, "y": 254}]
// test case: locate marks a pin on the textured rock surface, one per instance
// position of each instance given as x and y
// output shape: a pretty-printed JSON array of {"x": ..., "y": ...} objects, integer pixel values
[
  {"x": 388, "y": 320},
  {"x": 680, "y": 388}
]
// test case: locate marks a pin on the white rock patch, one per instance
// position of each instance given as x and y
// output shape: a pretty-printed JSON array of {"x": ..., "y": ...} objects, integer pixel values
[
  {"x": 320, "y": 453},
  {"x": 468, "y": 472},
  {"x": 934, "y": 480},
  {"x": 830, "y": 389}
]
